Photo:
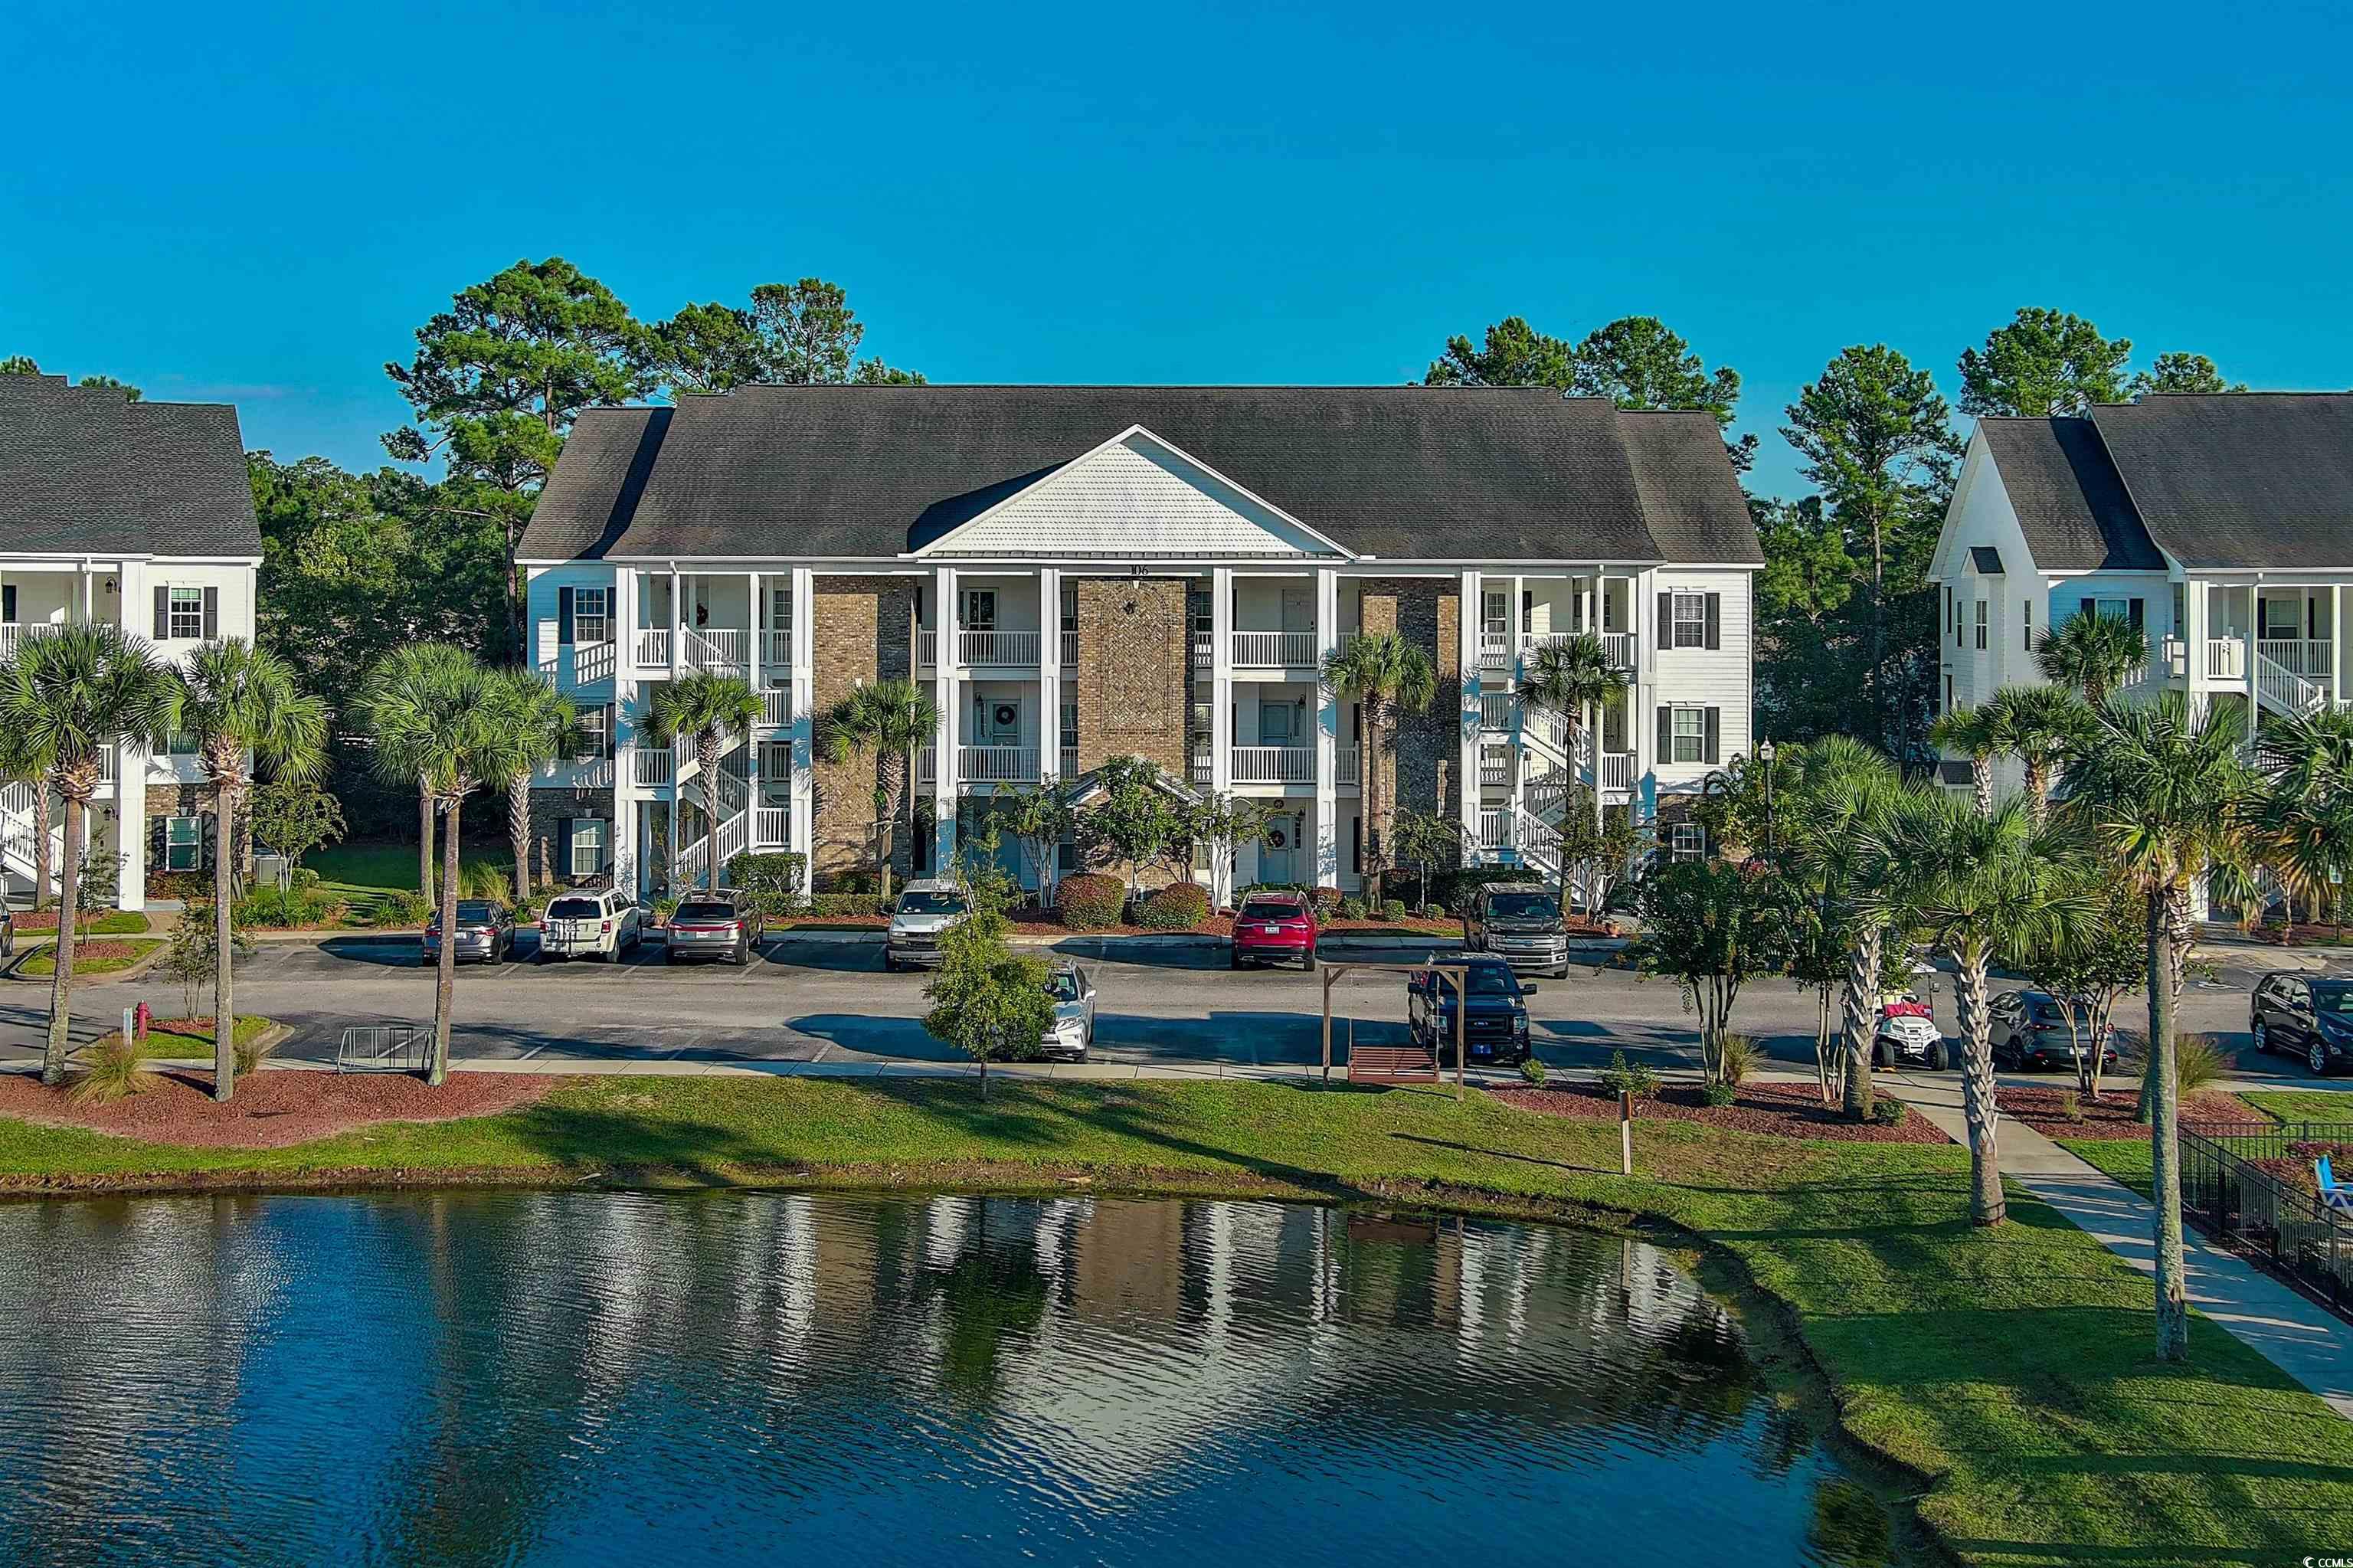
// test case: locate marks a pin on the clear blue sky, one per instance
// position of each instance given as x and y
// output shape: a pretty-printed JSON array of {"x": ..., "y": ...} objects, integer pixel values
[{"x": 262, "y": 204}]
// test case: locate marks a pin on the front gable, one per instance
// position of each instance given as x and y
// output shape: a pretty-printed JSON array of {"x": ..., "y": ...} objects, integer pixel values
[{"x": 1135, "y": 495}]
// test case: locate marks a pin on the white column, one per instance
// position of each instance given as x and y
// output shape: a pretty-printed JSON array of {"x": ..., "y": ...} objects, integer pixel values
[
  {"x": 803, "y": 732},
  {"x": 1327, "y": 734},
  {"x": 947, "y": 691},
  {"x": 1222, "y": 679},
  {"x": 754, "y": 634},
  {"x": 2336, "y": 643},
  {"x": 1466, "y": 708},
  {"x": 1050, "y": 672},
  {"x": 629, "y": 870},
  {"x": 1641, "y": 691},
  {"x": 2194, "y": 609},
  {"x": 677, "y": 619}
]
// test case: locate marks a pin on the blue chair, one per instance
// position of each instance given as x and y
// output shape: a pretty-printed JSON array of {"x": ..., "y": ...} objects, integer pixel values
[{"x": 2331, "y": 1194}]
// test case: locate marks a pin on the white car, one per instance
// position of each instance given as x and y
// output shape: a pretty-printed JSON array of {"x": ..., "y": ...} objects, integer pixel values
[
  {"x": 594, "y": 923},
  {"x": 925, "y": 909}
]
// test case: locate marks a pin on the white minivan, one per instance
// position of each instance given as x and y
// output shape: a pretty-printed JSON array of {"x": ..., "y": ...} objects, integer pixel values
[{"x": 596, "y": 924}]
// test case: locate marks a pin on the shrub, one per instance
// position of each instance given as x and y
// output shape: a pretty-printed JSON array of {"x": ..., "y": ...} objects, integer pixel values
[
  {"x": 302, "y": 879},
  {"x": 846, "y": 905},
  {"x": 1088, "y": 900},
  {"x": 485, "y": 880},
  {"x": 1740, "y": 1058},
  {"x": 290, "y": 907},
  {"x": 1886, "y": 1110},
  {"x": 1352, "y": 909},
  {"x": 1532, "y": 1071},
  {"x": 401, "y": 910},
  {"x": 247, "y": 1050},
  {"x": 663, "y": 909},
  {"x": 1179, "y": 906},
  {"x": 2070, "y": 1106},
  {"x": 1392, "y": 908},
  {"x": 1621, "y": 1077},
  {"x": 2199, "y": 1062},
  {"x": 1720, "y": 1095},
  {"x": 1325, "y": 901},
  {"x": 771, "y": 884},
  {"x": 180, "y": 886},
  {"x": 111, "y": 1071}
]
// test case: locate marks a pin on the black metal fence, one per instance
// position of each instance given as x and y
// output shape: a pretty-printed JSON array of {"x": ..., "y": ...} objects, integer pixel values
[{"x": 2239, "y": 1201}]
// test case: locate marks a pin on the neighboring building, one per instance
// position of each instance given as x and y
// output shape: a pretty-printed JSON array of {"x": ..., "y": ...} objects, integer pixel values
[
  {"x": 138, "y": 515},
  {"x": 2221, "y": 525},
  {"x": 1079, "y": 573}
]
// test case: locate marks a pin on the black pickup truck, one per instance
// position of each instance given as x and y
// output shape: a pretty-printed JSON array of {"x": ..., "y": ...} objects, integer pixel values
[{"x": 1494, "y": 1030}]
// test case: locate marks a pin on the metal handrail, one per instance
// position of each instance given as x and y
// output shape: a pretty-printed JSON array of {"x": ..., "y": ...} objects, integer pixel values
[{"x": 385, "y": 1048}]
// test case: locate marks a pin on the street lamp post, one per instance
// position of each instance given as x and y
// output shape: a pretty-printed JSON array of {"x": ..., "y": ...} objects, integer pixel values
[{"x": 1765, "y": 758}]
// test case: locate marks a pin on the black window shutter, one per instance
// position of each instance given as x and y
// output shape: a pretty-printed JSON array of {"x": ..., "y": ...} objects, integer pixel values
[
  {"x": 2086, "y": 605},
  {"x": 1714, "y": 737},
  {"x": 1666, "y": 734},
  {"x": 212, "y": 613},
  {"x": 563, "y": 617},
  {"x": 612, "y": 728},
  {"x": 1666, "y": 633},
  {"x": 2137, "y": 611},
  {"x": 605, "y": 853},
  {"x": 1715, "y": 621},
  {"x": 7, "y": 602},
  {"x": 156, "y": 844},
  {"x": 204, "y": 841},
  {"x": 563, "y": 849},
  {"x": 163, "y": 612}
]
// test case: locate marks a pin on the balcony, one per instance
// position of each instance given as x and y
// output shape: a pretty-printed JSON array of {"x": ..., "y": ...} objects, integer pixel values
[
  {"x": 1274, "y": 649},
  {"x": 1343, "y": 764},
  {"x": 653, "y": 647},
  {"x": 1068, "y": 764},
  {"x": 1204, "y": 769},
  {"x": 2315, "y": 661},
  {"x": 657, "y": 764},
  {"x": 999, "y": 649},
  {"x": 2226, "y": 659},
  {"x": 11, "y": 633},
  {"x": 772, "y": 827},
  {"x": 997, "y": 764},
  {"x": 1616, "y": 770},
  {"x": 1070, "y": 650},
  {"x": 1204, "y": 650},
  {"x": 1494, "y": 650},
  {"x": 776, "y": 706},
  {"x": 1274, "y": 764},
  {"x": 776, "y": 649},
  {"x": 720, "y": 652}
]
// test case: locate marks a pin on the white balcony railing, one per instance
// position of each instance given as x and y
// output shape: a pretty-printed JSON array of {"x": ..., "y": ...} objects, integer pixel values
[
  {"x": 1343, "y": 764},
  {"x": 653, "y": 647},
  {"x": 2300, "y": 656},
  {"x": 1495, "y": 830},
  {"x": 1495, "y": 710},
  {"x": 1494, "y": 650},
  {"x": 1494, "y": 775},
  {"x": 1070, "y": 650},
  {"x": 656, "y": 764},
  {"x": 11, "y": 633},
  {"x": 1620, "y": 647},
  {"x": 777, "y": 706},
  {"x": 1204, "y": 650},
  {"x": 1616, "y": 770},
  {"x": 776, "y": 648},
  {"x": 1274, "y": 649},
  {"x": 997, "y": 764},
  {"x": 2226, "y": 659},
  {"x": 772, "y": 827},
  {"x": 1274, "y": 765},
  {"x": 927, "y": 647},
  {"x": 1067, "y": 764},
  {"x": 927, "y": 765},
  {"x": 1000, "y": 648},
  {"x": 1204, "y": 767},
  {"x": 722, "y": 650}
]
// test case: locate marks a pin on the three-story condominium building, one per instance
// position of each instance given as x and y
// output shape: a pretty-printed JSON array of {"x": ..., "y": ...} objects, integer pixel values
[
  {"x": 2219, "y": 524},
  {"x": 1079, "y": 573},
  {"x": 137, "y": 514}
]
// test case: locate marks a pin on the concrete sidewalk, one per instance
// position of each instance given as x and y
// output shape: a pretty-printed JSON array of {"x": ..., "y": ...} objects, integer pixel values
[{"x": 2308, "y": 1343}]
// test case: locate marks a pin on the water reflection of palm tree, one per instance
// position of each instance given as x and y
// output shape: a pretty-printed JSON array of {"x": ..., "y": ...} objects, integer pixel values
[{"x": 990, "y": 1296}]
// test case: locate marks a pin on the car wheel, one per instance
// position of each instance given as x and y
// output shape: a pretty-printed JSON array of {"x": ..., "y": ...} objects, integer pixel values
[
  {"x": 1936, "y": 1056},
  {"x": 1878, "y": 1058},
  {"x": 1233, "y": 960},
  {"x": 2262, "y": 1037},
  {"x": 2316, "y": 1056}
]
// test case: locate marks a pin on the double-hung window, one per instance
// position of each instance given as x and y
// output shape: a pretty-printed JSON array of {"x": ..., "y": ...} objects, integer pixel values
[
  {"x": 586, "y": 856},
  {"x": 1981, "y": 625},
  {"x": 592, "y": 615},
  {"x": 1690, "y": 628},
  {"x": 186, "y": 620},
  {"x": 2027, "y": 624},
  {"x": 980, "y": 609},
  {"x": 1687, "y": 841},
  {"x": 2112, "y": 609},
  {"x": 1689, "y": 736},
  {"x": 594, "y": 739},
  {"x": 184, "y": 844}
]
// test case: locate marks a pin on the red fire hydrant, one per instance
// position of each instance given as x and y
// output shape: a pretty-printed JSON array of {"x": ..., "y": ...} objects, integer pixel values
[{"x": 144, "y": 1018}]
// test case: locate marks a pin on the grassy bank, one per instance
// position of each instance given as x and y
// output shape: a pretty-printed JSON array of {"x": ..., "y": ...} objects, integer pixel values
[
  {"x": 92, "y": 955},
  {"x": 2013, "y": 1367}
]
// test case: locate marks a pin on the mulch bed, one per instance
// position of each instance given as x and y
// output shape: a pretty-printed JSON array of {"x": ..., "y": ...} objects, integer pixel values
[
  {"x": 1776, "y": 1110},
  {"x": 2295, "y": 1169},
  {"x": 271, "y": 1109},
  {"x": 2112, "y": 1115}
]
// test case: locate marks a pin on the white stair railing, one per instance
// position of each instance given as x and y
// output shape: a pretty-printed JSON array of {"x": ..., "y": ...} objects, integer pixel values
[
  {"x": 2282, "y": 688},
  {"x": 17, "y": 832}
]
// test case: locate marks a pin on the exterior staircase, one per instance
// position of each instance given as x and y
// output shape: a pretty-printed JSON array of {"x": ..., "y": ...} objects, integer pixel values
[
  {"x": 731, "y": 801},
  {"x": 2280, "y": 688},
  {"x": 16, "y": 864}
]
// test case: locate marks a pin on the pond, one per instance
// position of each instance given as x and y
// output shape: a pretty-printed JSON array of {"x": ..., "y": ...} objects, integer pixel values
[{"x": 753, "y": 1378}]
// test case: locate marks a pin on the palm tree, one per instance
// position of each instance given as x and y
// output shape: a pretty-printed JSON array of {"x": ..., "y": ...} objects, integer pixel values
[
  {"x": 2164, "y": 790},
  {"x": 21, "y": 764},
  {"x": 1841, "y": 796},
  {"x": 242, "y": 707},
  {"x": 534, "y": 726},
  {"x": 418, "y": 665},
  {"x": 429, "y": 709},
  {"x": 2039, "y": 726},
  {"x": 710, "y": 708},
  {"x": 1983, "y": 886},
  {"x": 71, "y": 695},
  {"x": 1969, "y": 731},
  {"x": 1572, "y": 678},
  {"x": 1388, "y": 676},
  {"x": 2093, "y": 654},
  {"x": 893, "y": 720}
]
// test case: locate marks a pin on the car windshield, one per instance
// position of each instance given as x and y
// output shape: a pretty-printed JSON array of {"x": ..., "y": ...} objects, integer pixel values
[
  {"x": 1486, "y": 979},
  {"x": 930, "y": 903},
  {"x": 1063, "y": 987},
  {"x": 474, "y": 912},
  {"x": 1272, "y": 909},
  {"x": 574, "y": 909},
  {"x": 706, "y": 911},
  {"x": 2050, "y": 1012},
  {"x": 1521, "y": 906},
  {"x": 2333, "y": 996}
]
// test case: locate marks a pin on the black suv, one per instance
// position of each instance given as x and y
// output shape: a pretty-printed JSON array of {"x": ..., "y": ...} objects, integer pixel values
[
  {"x": 1521, "y": 925},
  {"x": 1494, "y": 1030},
  {"x": 2305, "y": 1015}
]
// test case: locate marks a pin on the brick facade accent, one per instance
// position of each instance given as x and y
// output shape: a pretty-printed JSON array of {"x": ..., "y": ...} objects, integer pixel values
[
  {"x": 862, "y": 629},
  {"x": 1421, "y": 774},
  {"x": 551, "y": 855},
  {"x": 1134, "y": 680},
  {"x": 180, "y": 799}
]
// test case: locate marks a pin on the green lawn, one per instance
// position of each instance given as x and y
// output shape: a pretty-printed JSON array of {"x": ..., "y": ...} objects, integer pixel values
[
  {"x": 2303, "y": 1104},
  {"x": 43, "y": 960},
  {"x": 113, "y": 923},
  {"x": 165, "y": 1044},
  {"x": 361, "y": 874},
  {"x": 2011, "y": 1367}
]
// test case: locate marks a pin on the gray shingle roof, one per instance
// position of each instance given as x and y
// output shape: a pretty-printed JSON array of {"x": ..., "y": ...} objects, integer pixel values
[
  {"x": 2239, "y": 479},
  {"x": 81, "y": 470},
  {"x": 2070, "y": 502},
  {"x": 1390, "y": 472}
]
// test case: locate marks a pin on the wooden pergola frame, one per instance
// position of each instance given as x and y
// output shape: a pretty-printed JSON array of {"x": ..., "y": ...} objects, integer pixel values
[{"x": 1462, "y": 976}]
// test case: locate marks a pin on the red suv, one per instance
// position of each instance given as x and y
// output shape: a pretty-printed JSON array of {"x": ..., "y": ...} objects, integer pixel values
[{"x": 1275, "y": 927}]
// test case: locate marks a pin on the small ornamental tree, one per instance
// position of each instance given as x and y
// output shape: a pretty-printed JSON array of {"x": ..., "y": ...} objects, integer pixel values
[
  {"x": 1223, "y": 824},
  {"x": 1419, "y": 839},
  {"x": 988, "y": 1000},
  {"x": 1594, "y": 851},
  {"x": 1711, "y": 926},
  {"x": 2091, "y": 967},
  {"x": 295, "y": 816},
  {"x": 1132, "y": 823},
  {"x": 1039, "y": 817}
]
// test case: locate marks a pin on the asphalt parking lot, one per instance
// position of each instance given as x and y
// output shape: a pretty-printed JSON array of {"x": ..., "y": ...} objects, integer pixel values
[{"x": 812, "y": 998}]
